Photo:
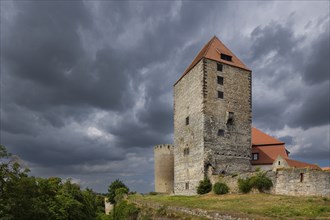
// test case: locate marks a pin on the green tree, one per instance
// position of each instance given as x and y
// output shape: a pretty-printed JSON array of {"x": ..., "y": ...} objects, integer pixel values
[
  {"x": 24, "y": 197},
  {"x": 112, "y": 190}
]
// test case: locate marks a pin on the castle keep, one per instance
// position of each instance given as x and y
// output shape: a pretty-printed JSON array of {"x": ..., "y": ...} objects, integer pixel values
[
  {"x": 212, "y": 117},
  {"x": 213, "y": 126}
]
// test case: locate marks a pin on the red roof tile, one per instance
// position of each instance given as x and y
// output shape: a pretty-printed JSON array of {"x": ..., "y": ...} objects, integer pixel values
[
  {"x": 299, "y": 164},
  {"x": 326, "y": 168},
  {"x": 267, "y": 154},
  {"x": 260, "y": 138},
  {"x": 212, "y": 50}
]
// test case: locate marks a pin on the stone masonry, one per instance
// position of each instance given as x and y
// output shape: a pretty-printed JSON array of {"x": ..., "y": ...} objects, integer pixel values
[
  {"x": 189, "y": 138},
  {"x": 212, "y": 119},
  {"x": 303, "y": 181},
  {"x": 164, "y": 170},
  {"x": 230, "y": 153}
]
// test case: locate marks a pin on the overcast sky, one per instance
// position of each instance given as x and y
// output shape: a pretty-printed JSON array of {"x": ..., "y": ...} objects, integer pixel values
[{"x": 87, "y": 86}]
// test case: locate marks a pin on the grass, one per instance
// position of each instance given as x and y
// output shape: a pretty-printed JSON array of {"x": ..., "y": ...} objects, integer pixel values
[{"x": 259, "y": 206}]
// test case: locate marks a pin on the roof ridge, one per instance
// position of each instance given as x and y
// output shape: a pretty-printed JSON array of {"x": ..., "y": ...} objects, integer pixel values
[
  {"x": 203, "y": 54},
  {"x": 210, "y": 43}
]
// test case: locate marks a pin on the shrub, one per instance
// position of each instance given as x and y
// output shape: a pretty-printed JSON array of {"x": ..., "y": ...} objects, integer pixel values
[
  {"x": 204, "y": 186},
  {"x": 126, "y": 210},
  {"x": 220, "y": 188},
  {"x": 259, "y": 181},
  {"x": 244, "y": 185}
]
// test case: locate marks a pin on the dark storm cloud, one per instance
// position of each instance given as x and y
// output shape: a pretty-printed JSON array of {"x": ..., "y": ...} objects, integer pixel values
[
  {"x": 290, "y": 61},
  {"x": 53, "y": 77}
]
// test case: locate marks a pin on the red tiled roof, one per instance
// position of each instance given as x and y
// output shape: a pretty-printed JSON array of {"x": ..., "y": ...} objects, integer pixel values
[
  {"x": 267, "y": 154},
  {"x": 299, "y": 164},
  {"x": 326, "y": 168},
  {"x": 260, "y": 138},
  {"x": 212, "y": 50}
]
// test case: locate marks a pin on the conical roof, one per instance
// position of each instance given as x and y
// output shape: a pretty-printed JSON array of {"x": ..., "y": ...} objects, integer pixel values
[{"x": 213, "y": 50}]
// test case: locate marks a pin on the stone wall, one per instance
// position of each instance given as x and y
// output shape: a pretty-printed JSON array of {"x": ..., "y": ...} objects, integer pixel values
[
  {"x": 303, "y": 181},
  {"x": 188, "y": 138},
  {"x": 229, "y": 153},
  {"x": 164, "y": 168},
  {"x": 285, "y": 181}
]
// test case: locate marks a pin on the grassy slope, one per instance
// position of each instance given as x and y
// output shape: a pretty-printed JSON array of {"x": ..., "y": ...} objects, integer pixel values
[{"x": 250, "y": 205}]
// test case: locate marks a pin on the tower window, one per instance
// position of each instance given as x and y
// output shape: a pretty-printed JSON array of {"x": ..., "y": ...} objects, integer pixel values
[
  {"x": 219, "y": 67},
  {"x": 301, "y": 177},
  {"x": 226, "y": 57},
  {"x": 279, "y": 162},
  {"x": 221, "y": 133},
  {"x": 185, "y": 151},
  {"x": 220, "y": 94},
  {"x": 230, "y": 118},
  {"x": 255, "y": 156},
  {"x": 187, "y": 185},
  {"x": 220, "y": 80},
  {"x": 187, "y": 120}
]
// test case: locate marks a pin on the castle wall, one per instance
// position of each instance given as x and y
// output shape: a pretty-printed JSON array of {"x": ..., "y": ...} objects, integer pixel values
[
  {"x": 164, "y": 168},
  {"x": 230, "y": 153},
  {"x": 188, "y": 139},
  {"x": 302, "y": 181}
]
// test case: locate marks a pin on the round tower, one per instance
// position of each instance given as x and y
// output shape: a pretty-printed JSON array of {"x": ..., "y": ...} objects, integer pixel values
[{"x": 164, "y": 168}]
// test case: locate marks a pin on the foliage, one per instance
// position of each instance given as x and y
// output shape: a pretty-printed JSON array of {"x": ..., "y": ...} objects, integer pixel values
[
  {"x": 120, "y": 193},
  {"x": 220, "y": 188},
  {"x": 204, "y": 186},
  {"x": 112, "y": 190},
  {"x": 27, "y": 197},
  {"x": 244, "y": 185},
  {"x": 125, "y": 211},
  {"x": 260, "y": 182}
]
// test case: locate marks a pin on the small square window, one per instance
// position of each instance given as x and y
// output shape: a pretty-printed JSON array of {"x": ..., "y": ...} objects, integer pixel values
[
  {"x": 220, "y": 94},
  {"x": 255, "y": 156},
  {"x": 187, "y": 185},
  {"x": 221, "y": 133},
  {"x": 187, "y": 120},
  {"x": 226, "y": 57},
  {"x": 219, "y": 67},
  {"x": 220, "y": 80},
  {"x": 185, "y": 151}
]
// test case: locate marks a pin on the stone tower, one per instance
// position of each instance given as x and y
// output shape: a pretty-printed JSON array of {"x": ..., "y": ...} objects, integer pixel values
[
  {"x": 212, "y": 118},
  {"x": 164, "y": 170}
]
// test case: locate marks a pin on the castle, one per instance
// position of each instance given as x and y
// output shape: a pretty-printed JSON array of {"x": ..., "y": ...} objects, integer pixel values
[{"x": 213, "y": 131}]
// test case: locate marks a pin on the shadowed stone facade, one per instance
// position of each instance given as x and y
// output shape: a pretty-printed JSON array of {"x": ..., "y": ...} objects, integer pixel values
[{"x": 231, "y": 152}]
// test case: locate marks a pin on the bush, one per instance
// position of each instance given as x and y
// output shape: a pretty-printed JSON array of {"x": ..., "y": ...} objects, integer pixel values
[
  {"x": 244, "y": 185},
  {"x": 259, "y": 181},
  {"x": 204, "y": 186},
  {"x": 220, "y": 188},
  {"x": 124, "y": 210}
]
